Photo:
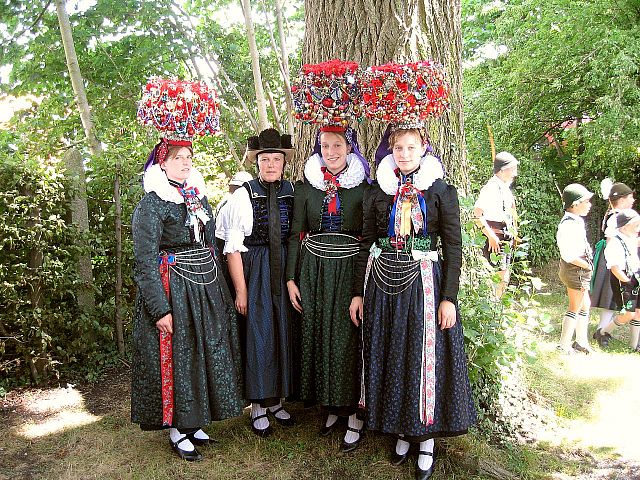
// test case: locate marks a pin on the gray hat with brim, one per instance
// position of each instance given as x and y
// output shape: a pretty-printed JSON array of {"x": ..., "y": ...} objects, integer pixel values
[
  {"x": 627, "y": 216},
  {"x": 504, "y": 160},
  {"x": 573, "y": 194}
]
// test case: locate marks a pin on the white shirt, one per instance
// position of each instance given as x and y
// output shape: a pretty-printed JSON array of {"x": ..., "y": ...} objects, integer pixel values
[
  {"x": 235, "y": 221},
  {"x": 615, "y": 255},
  {"x": 572, "y": 238},
  {"x": 496, "y": 201}
]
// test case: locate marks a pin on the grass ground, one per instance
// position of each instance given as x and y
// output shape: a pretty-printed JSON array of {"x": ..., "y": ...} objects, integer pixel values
[{"x": 84, "y": 432}]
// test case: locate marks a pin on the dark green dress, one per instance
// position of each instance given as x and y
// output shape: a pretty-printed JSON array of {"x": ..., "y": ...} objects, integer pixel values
[
  {"x": 206, "y": 349},
  {"x": 330, "y": 342}
]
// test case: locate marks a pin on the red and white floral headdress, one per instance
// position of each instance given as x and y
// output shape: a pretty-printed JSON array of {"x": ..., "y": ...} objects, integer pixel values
[
  {"x": 405, "y": 95},
  {"x": 179, "y": 110}
]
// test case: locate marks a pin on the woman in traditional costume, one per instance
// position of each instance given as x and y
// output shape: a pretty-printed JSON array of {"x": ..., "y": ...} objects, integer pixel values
[
  {"x": 320, "y": 268},
  {"x": 186, "y": 351},
  {"x": 415, "y": 380},
  {"x": 259, "y": 222}
]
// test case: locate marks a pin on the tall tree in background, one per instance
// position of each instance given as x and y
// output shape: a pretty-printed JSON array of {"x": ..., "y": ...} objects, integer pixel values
[
  {"x": 261, "y": 102},
  {"x": 400, "y": 31},
  {"x": 76, "y": 78}
]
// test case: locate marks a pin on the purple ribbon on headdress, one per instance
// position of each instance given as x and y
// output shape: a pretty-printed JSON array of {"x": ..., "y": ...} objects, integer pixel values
[
  {"x": 383, "y": 148},
  {"x": 352, "y": 139},
  {"x": 160, "y": 151}
]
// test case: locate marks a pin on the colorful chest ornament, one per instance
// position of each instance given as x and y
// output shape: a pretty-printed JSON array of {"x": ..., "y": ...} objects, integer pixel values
[
  {"x": 409, "y": 209},
  {"x": 195, "y": 209},
  {"x": 331, "y": 185}
]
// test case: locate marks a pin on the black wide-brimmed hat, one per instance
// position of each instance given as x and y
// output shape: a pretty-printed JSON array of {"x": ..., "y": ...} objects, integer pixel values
[{"x": 268, "y": 141}]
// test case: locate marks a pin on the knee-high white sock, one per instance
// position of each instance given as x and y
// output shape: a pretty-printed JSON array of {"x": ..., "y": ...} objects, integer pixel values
[
  {"x": 425, "y": 461},
  {"x": 402, "y": 446},
  {"x": 635, "y": 333},
  {"x": 605, "y": 317},
  {"x": 568, "y": 327},
  {"x": 257, "y": 410},
  {"x": 353, "y": 422},
  {"x": 185, "y": 445},
  {"x": 582, "y": 329},
  {"x": 612, "y": 325}
]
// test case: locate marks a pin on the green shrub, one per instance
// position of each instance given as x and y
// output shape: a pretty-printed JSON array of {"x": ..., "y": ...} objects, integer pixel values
[
  {"x": 41, "y": 326},
  {"x": 498, "y": 332}
]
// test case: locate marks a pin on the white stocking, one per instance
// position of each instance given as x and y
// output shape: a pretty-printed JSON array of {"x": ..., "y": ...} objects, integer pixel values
[
  {"x": 425, "y": 461},
  {"x": 351, "y": 437},
  {"x": 185, "y": 445},
  {"x": 257, "y": 410}
]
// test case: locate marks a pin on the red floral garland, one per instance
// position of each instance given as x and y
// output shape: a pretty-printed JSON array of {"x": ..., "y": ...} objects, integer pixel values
[
  {"x": 179, "y": 109},
  {"x": 405, "y": 93},
  {"x": 327, "y": 93}
]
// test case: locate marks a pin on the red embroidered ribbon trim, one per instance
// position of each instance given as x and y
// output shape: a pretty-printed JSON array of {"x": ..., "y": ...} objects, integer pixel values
[{"x": 166, "y": 349}]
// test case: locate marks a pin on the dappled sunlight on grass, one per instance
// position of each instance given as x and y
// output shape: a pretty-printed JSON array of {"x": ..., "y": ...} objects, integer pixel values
[
  {"x": 53, "y": 411},
  {"x": 58, "y": 423},
  {"x": 596, "y": 396}
]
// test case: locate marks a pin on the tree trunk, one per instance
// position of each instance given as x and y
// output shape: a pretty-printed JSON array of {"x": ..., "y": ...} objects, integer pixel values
[
  {"x": 80, "y": 218},
  {"x": 261, "y": 102},
  {"x": 76, "y": 78},
  {"x": 36, "y": 257},
  {"x": 400, "y": 31}
]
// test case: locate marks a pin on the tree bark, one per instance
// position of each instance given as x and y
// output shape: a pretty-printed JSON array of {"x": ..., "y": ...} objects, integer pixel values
[
  {"x": 36, "y": 257},
  {"x": 76, "y": 78},
  {"x": 80, "y": 218},
  {"x": 261, "y": 102},
  {"x": 400, "y": 31}
]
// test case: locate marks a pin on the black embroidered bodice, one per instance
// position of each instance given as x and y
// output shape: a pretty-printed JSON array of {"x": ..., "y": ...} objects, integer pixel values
[{"x": 258, "y": 195}]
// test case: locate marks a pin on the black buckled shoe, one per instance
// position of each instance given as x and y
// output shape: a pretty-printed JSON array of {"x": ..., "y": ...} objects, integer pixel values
[
  {"x": 261, "y": 432},
  {"x": 286, "y": 422},
  {"x": 190, "y": 456},
  {"x": 324, "y": 431},
  {"x": 350, "y": 447},
  {"x": 397, "y": 459},
  {"x": 425, "y": 474},
  {"x": 199, "y": 442},
  {"x": 602, "y": 338}
]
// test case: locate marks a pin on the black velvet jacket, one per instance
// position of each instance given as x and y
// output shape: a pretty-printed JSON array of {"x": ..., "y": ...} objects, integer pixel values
[{"x": 443, "y": 223}]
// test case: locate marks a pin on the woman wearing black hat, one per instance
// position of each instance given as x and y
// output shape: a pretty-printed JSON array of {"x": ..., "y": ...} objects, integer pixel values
[
  {"x": 256, "y": 249},
  {"x": 575, "y": 267},
  {"x": 619, "y": 197}
]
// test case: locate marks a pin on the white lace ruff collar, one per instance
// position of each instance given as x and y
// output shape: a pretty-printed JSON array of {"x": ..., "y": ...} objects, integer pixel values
[
  {"x": 430, "y": 171},
  {"x": 155, "y": 180},
  {"x": 351, "y": 177}
]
